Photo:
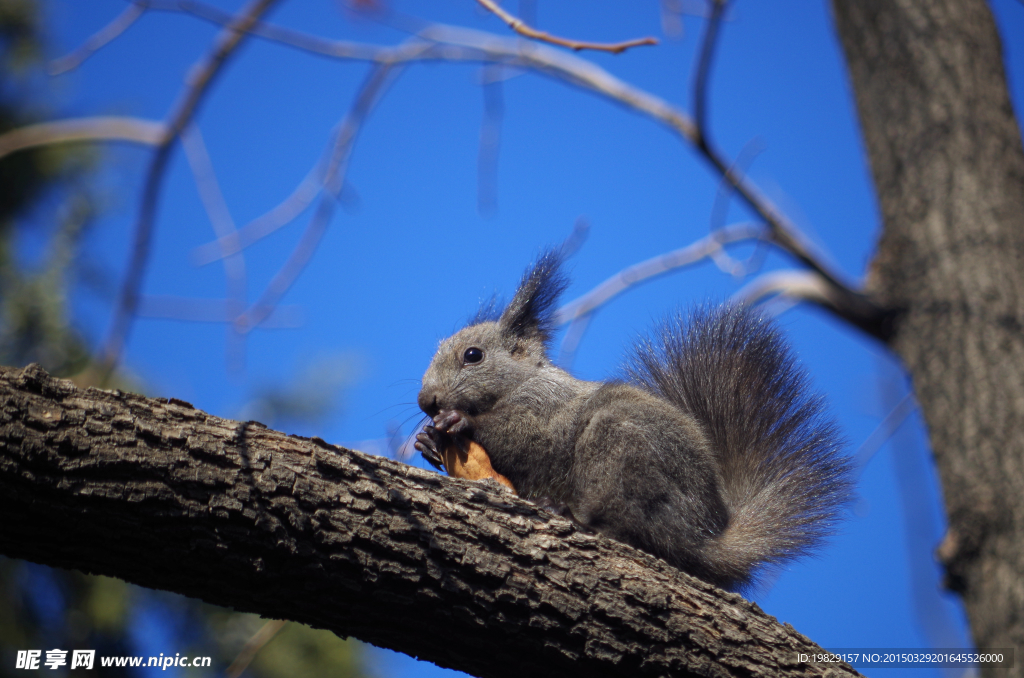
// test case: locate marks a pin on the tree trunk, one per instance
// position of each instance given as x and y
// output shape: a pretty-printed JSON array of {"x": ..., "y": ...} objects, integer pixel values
[
  {"x": 461, "y": 573},
  {"x": 948, "y": 165}
]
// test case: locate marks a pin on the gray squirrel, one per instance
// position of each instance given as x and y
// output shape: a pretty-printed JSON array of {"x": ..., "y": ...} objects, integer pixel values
[{"x": 712, "y": 453}]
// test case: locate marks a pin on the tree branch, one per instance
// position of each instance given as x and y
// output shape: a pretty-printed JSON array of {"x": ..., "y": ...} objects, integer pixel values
[
  {"x": 811, "y": 286},
  {"x": 221, "y": 311},
  {"x": 849, "y": 303},
  {"x": 700, "y": 86},
  {"x": 440, "y": 43},
  {"x": 97, "y": 40},
  {"x": 225, "y": 230},
  {"x": 460, "y": 573},
  {"x": 100, "y": 128},
  {"x": 450, "y": 44},
  {"x": 198, "y": 82},
  {"x": 521, "y": 27},
  {"x": 885, "y": 430},
  {"x": 334, "y": 178},
  {"x": 653, "y": 267}
]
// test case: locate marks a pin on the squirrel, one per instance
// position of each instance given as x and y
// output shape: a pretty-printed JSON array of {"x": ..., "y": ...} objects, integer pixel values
[{"x": 711, "y": 453}]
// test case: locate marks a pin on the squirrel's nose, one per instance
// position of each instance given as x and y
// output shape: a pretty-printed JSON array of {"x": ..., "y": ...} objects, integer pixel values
[{"x": 427, "y": 400}]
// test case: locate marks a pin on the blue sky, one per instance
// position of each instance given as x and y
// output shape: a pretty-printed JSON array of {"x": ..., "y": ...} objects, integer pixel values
[{"x": 410, "y": 256}]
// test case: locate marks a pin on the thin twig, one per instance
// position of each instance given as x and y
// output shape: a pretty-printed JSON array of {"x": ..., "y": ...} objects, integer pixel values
[
  {"x": 579, "y": 312},
  {"x": 97, "y": 40},
  {"x": 337, "y": 49},
  {"x": 794, "y": 284},
  {"x": 571, "y": 341},
  {"x": 574, "y": 241},
  {"x": 216, "y": 209},
  {"x": 198, "y": 82},
  {"x": 520, "y": 27},
  {"x": 720, "y": 210},
  {"x": 490, "y": 140},
  {"x": 99, "y": 128},
  {"x": 289, "y": 272},
  {"x": 885, "y": 430},
  {"x": 278, "y": 216},
  {"x": 654, "y": 267},
  {"x": 224, "y": 229},
  {"x": 254, "y": 645},
  {"x": 221, "y": 311},
  {"x": 334, "y": 179},
  {"x": 700, "y": 82},
  {"x": 672, "y": 18}
]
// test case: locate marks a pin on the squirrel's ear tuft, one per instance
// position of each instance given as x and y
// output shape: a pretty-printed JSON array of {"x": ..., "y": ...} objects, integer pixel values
[
  {"x": 531, "y": 311},
  {"x": 489, "y": 311}
]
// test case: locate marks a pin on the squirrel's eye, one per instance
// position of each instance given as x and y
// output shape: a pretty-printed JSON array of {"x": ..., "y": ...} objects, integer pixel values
[{"x": 472, "y": 355}]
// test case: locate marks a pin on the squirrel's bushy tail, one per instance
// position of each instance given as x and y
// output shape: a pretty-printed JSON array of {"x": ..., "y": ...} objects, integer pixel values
[{"x": 784, "y": 475}]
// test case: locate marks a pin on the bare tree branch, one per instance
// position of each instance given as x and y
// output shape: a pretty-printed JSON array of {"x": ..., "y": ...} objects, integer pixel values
[
  {"x": 490, "y": 138},
  {"x": 453, "y": 44},
  {"x": 439, "y": 43},
  {"x": 653, "y": 267},
  {"x": 198, "y": 310},
  {"x": 252, "y": 647},
  {"x": 369, "y": 94},
  {"x": 100, "y": 128},
  {"x": 802, "y": 285},
  {"x": 720, "y": 210},
  {"x": 97, "y": 40},
  {"x": 198, "y": 82},
  {"x": 811, "y": 286},
  {"x": 885, "y": 430},
  {"x": 224, "y": 229},
  {"x": 277, "y": 217},
  {"x": 579, "y": 312},
  {"x": 456, "y": 572},
  {"x": 863, "y": 312},
  {"x": 700, "y": 81},
  {"x": 520, "y": 27}
]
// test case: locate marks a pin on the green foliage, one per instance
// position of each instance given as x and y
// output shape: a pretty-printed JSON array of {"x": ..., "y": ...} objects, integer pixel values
[
  {"x": 33, "y": 294},
  {"x": 302, "y": 652},
  {"x": 19, "y": 34},
  {"x": 45, "y": 608},
  {"x": 296, "y": 651},
  {"x": 34, "y": 323}
]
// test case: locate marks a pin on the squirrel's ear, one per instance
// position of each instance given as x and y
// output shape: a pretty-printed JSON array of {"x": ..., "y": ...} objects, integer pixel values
[
  {"x": 531, "y": 311},
  {"x": 490, "y": 310}
]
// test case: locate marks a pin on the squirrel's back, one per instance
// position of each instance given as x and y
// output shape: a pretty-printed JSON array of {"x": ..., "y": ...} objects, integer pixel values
[{"x": 784, "y": 476}]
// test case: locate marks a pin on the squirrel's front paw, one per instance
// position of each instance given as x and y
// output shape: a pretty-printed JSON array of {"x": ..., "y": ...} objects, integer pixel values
[
  {"x": 430, "y": 442},
  {"x": 452, "y": 422}
]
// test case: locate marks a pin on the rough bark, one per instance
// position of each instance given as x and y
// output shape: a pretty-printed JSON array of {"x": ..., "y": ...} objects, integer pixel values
[
  {"x": 460, "y": 573},
  {"x": 945, "y": 151}
]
